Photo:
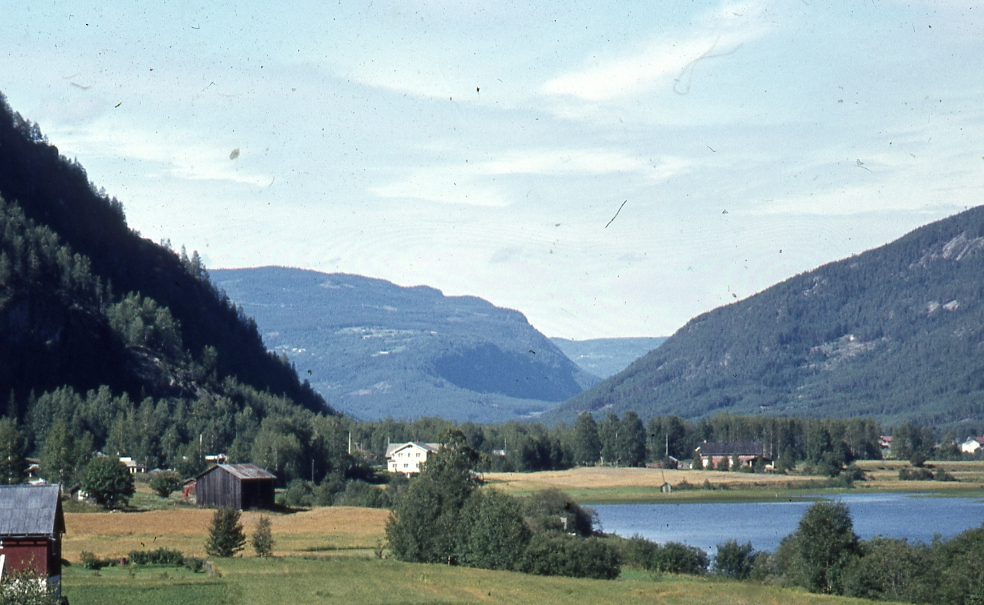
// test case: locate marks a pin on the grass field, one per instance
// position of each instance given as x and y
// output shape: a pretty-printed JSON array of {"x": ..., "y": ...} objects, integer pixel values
[{"x": 356, "y": 579}]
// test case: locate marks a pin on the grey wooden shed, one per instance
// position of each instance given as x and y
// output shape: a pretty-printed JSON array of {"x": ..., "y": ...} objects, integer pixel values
[{"x": 241, "y": 486}]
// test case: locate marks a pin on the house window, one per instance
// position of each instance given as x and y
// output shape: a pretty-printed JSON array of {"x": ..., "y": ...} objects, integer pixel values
[
  {"x": 405, "y": 465},
  {"x": 418, "y": 454}
]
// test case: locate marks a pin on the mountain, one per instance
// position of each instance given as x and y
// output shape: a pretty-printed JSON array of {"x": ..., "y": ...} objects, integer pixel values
[
  {"x": 895, "y": 333},
  {"x": 374, "y": 349},
  {"x": 606, "y": 357},
  {"x": 86, "y": 302}
]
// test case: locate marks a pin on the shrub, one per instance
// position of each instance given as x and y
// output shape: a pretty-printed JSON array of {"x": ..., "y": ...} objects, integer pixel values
[
  {"x": 915, "y": 474},
  {"x": 495, "y": 535},
  {"x": 263, "y": 538},
  {"x": 639, "y": 553},
  {"x": 165, "y": 482},
  {"x": 360, "y": 493},
  {"x": 225, "y": 536},
  {"x": 734, "y": 560},
  {"x": 553, "y": 554},
  {"x": 674, "y": 557},
  {"x": 26, "y": 588},
  {"x": 298, "y": 494},
  {"x": 161, "y": 556},
  {"x": 91, "y": 561},
  {"x": 893, "y": 570},
  {"x": 544, "y": 511},
  {"x": 195, "y": 564}
]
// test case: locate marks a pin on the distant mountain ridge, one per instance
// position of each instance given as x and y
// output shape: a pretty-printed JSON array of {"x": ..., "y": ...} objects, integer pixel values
[
  {"x": 374, "y": 349},
  {"x": 606, "y": 357},
  {"x": 895, "y": 333}
]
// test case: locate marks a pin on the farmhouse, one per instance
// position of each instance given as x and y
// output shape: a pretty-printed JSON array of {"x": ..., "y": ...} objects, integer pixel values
[
  {"x": 241, "y": 486},
  {"x": 31, "y": 526},
  {"x": 709, "y": 454},
  {"x": 972, "y": 445},
  {"x": 407, "y": 457}
]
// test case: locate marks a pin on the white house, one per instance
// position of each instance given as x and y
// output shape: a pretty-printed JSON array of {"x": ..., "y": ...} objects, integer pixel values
[
  {"x": 407, "y": 457},
  {"x": 132, "y": 465},
  {"x": 972, "y": 445}
]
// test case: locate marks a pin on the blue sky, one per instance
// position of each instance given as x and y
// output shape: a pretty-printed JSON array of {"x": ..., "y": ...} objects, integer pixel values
[{"x": 484, "y": 148}]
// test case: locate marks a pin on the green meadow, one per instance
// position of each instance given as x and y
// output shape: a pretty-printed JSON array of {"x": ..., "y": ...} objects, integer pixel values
[{"x": 350, "y": 580}]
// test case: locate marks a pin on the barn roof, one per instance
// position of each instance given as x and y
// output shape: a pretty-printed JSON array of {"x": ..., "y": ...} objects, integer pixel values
[
  {"x": 245, "y": 472},
  {"x": 31, "y": 510}
]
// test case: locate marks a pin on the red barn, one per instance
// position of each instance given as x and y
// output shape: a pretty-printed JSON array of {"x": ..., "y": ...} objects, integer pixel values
[{"x": 31, "y": 526}]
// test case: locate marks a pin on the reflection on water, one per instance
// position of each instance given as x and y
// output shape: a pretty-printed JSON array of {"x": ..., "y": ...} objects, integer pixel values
[{"x": 764, "y": 524}]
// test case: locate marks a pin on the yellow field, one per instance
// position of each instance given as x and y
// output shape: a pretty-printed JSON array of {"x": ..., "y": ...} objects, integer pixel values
[
  {"x": 596, "y": 477},
  {"x": 323, "y": 530},
  {"x": 605, "y": 484}
]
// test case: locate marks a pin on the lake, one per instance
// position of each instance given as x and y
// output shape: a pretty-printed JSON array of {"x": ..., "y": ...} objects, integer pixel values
[{"x": 764, "y": 524}]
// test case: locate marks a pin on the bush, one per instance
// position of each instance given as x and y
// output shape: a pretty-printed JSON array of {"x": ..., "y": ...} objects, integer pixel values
[
  {"x": 915, "y": 474},
  {"x": 893, "y": 570},
  {"x": 495, "y": 535},
  {"x": 26, "y": 588},
  {"x": 734, "y": 560},
  {"x": 553, "y": 554},
  {"x": 161, "y": 556},
  {"x": 225, "y": 536},
  {"x": 91, "y": 561},
  {"x": 195, "y": 564},
  {"x": 360, "y": 493},
  {"x": 298, "y": 494},
  {"x": 165, "y": 482},
  {"x": 545, "y": 510},
  {"x": 674, "y": 557},
  {"x": 263, "y": 538},
  {"x": 639, "y": 553}
]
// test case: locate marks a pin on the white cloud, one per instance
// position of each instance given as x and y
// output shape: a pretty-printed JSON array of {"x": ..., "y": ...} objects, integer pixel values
[
  {"x": 485, "y": 183},
  {"x": 666, "y": 60},
  {"x": 180, "y": 156}
]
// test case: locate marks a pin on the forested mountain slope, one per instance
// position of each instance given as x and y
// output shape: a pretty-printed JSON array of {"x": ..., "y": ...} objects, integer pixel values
[
  {"x": 67, "y": 257},
  {"x": 606, "y": 357},
  {"x": 895, "y": 333},
  {"x": 375, "y": 349}
]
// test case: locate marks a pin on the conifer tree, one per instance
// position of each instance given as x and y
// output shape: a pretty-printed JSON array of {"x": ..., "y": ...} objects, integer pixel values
[
  {"x": 263, "y": 538},
  {"x": 225, "y": 536}
]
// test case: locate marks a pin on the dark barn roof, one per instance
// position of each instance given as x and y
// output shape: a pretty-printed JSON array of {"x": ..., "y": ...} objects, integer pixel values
[
  {"x": 31, "y": 510},
  {"x": 246, "y": 472}
]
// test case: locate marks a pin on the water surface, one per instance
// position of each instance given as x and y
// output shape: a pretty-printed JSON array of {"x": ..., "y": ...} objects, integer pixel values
[{"x": 764, "y": 524}]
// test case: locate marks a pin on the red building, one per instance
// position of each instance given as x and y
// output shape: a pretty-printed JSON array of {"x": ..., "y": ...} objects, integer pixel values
[{"x": 31, "y": 527}]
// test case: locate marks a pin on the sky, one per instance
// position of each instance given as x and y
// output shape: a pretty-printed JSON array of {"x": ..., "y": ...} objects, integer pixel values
[{"x": 607, "y": 168}]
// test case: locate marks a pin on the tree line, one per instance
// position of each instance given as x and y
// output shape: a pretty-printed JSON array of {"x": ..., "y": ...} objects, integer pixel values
[{"x": 64, "y": 428}]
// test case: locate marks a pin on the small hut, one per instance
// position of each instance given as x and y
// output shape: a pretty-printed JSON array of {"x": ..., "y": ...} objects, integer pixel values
[
  {"x": 31, "y": 526},
  {"x": 241, "y": 486}
]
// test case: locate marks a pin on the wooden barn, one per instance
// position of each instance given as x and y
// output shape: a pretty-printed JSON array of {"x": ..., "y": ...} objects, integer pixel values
[
  {"x": 31, "y": 527},
  {"x": 242, "y": 486}
]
